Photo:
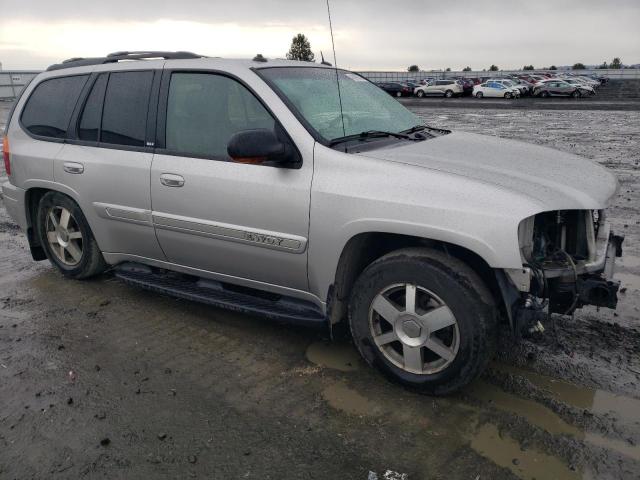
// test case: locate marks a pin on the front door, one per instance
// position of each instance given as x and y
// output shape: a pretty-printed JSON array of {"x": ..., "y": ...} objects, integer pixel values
[{"x": 240, "y": 221}]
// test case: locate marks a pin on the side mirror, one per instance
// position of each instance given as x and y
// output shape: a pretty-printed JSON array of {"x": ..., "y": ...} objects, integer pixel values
[{"x": 259, "y": 146}]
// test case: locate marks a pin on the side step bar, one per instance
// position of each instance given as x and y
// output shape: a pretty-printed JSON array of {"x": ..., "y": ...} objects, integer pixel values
[{"x": 217, "y": 294}]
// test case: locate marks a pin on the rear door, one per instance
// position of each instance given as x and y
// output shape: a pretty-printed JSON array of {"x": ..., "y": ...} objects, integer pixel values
[
  {"x": 107, "y": 162},
  {"x": 236, "y": 220}
]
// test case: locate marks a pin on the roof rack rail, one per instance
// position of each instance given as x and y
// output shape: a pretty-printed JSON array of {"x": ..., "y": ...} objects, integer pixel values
[{"x": 117, "y": 56}]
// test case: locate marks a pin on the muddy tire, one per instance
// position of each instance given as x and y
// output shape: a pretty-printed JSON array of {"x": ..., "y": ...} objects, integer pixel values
[
  {"x": 424, "y": 319},
  {"x": 67, "y": 238}
]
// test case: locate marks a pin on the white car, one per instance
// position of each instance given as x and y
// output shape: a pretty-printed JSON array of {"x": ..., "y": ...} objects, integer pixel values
[
  {"x": 522, "y": 89},
  {"x": 495, "y": 89}
]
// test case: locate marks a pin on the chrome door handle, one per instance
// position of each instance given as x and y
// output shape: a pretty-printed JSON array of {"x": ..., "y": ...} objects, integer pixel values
[
  {"x": 73, "y": 167},
  {"x": 171, "y": 180}
]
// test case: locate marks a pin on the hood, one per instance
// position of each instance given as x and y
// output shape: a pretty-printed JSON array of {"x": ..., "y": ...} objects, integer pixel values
[{"x": 554, "y": 180}]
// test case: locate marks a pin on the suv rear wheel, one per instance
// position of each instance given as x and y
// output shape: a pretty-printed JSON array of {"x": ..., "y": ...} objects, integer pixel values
[
  {"x": 448, "y": 93},
  {"x": 66, "y": 237},
  {"x": 424, "y": 319}
]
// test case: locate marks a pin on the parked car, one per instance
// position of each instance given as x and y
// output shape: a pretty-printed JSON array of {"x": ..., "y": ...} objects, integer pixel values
[
  {"x": 585, "y": 89},
  {"x": 467, "y": 85},
  {"x": 247, "y": 185},
  {"x": 395, "y": 89},
  {"x": 558, "y": 88},
  {"x": 521, "y": 89},
  {"x": 495, "y": 89},
  {"x": 444, "y": 88}
]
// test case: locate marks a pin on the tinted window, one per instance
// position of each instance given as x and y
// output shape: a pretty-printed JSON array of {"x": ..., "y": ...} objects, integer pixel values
[
  {"x": 51, "y": 104},
  {"x": 204, "y": 111},
  {"x": 92, "y": 113},
  {"x": 124, "y": 118}
]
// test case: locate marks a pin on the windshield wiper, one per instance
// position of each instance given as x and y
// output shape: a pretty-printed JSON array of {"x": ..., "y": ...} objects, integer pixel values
[
  {"x": 415, "y": 129},
  {"x": 369, "y": 134}
]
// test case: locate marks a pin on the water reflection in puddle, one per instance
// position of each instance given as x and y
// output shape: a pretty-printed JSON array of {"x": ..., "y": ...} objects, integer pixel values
[{"x": 527, "y": 464}]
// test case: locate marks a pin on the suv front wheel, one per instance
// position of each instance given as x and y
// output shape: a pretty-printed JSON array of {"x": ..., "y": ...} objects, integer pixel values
[
  {"x": 424, "y": 319},
  {"x": 67, "y": 238}
]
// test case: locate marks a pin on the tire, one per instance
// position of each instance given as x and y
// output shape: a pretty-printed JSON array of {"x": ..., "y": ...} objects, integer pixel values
[
  {"x": 544, "y": 94},
  {"x": 448, "y": 93},
  {"x": 67, "y": 238},
  {"x": 576, "y": 94},
  {"x": 398, "y": 94},
  {"x": 420, "y": 93},
  {"x": 507, "y": 95},
  {"x": 445, "y": 282},
  {"x": 479, "y": 95}
]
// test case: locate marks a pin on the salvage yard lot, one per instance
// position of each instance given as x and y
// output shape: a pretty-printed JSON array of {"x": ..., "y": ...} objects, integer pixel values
[{"x": 100, "y": 380}]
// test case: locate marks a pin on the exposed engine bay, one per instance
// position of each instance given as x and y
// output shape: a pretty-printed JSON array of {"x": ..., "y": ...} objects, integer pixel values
[{"x": 571, "y": 256}]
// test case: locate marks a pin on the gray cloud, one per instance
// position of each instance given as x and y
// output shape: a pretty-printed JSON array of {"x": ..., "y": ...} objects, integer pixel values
[{"x": 370, "y": 34}]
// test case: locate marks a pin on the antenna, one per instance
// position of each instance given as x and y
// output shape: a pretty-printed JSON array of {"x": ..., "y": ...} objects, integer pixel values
[{"x": 335, "y": 62}]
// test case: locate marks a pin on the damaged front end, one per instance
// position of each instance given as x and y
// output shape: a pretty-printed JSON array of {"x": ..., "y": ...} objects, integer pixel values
[{"x": 568, "y": 262}]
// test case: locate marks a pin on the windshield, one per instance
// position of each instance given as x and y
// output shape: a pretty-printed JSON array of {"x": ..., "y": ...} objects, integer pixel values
[{"x": 313, "y": 93}]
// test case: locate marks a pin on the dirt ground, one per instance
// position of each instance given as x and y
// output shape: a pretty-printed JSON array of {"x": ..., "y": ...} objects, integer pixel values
[{"x": 100, "y": 380}]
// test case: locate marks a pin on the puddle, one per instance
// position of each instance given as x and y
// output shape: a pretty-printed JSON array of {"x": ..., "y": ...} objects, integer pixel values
[
  {"x": 347, "y": 400},
  {"x": 527, "y": 465},
  {"x": 624, "y": 408},
  {"x": 338, "y": 356},
  {"x": 533, "y": 412}
]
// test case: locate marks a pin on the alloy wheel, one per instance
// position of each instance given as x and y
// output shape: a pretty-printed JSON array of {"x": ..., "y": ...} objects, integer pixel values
[
  {"x": 414, "y": 329},
  {"x": 64, "y": 236}
]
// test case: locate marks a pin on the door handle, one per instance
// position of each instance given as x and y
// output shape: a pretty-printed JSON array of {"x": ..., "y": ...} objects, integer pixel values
[
  {"x": 171, "y": 180},
  {"x": 73, "y": 167}
]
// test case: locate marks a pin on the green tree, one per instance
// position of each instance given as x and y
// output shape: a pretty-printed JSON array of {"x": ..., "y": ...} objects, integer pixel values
[
  {"x": 300, "y": 49},
  {"x": 578, "y": 66},
  {"x": 528, "y": 67},
  {"x": 466, "y": 69},
  {"x": 493, "y": 68},
  {"x": 604, "y": 66},
  {"x": 616, "y": 63},
  {"x": 553, "y": 67},
  {"x": 413, "y": 68}
]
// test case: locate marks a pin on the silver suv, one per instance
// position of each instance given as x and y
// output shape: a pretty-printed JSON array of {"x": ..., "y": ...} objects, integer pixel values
[{"x": 306, "y": 194}]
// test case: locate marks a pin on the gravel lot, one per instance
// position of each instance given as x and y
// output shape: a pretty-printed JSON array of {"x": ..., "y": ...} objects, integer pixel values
[{"x": 99, "y": 380}]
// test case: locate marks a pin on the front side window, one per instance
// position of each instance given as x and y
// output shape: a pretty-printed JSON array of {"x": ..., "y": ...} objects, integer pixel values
[
  {"x": 49, "y": 108},
  {"x": 205, "y": 110},
  {"x": 124, "y": 116},
  {"x": 313, "y": 93}
]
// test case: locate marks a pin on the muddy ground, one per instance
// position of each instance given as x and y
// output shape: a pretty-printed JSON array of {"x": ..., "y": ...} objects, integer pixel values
[{"x": 100, "y": 380}]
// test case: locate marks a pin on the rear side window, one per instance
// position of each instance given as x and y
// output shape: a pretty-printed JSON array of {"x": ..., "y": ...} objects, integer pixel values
[
  {"x": 205, "y": 110},
  {"x": 90, "y": 120},
  {"x": 124, "y": 116},
  {"x": 49, "y": 108}
]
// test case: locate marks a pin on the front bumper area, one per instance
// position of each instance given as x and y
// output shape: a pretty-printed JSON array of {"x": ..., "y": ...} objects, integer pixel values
[{"x": 529, "y": 298}]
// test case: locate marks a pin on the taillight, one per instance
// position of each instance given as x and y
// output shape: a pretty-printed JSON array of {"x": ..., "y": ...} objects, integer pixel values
[{"x": 5, "y": 154}]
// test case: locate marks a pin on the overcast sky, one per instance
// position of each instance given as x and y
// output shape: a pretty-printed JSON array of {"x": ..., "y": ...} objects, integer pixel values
[{"x": 372, "y": 34}]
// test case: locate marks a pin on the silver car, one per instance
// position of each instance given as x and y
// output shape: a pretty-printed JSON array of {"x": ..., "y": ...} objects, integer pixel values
[{"x": 305, "y": 194}]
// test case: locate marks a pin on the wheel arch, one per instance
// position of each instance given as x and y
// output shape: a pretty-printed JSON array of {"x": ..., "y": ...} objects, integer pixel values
[
  {"x": 364, "y": 248},
  {"x": 33, "y": 195}
]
